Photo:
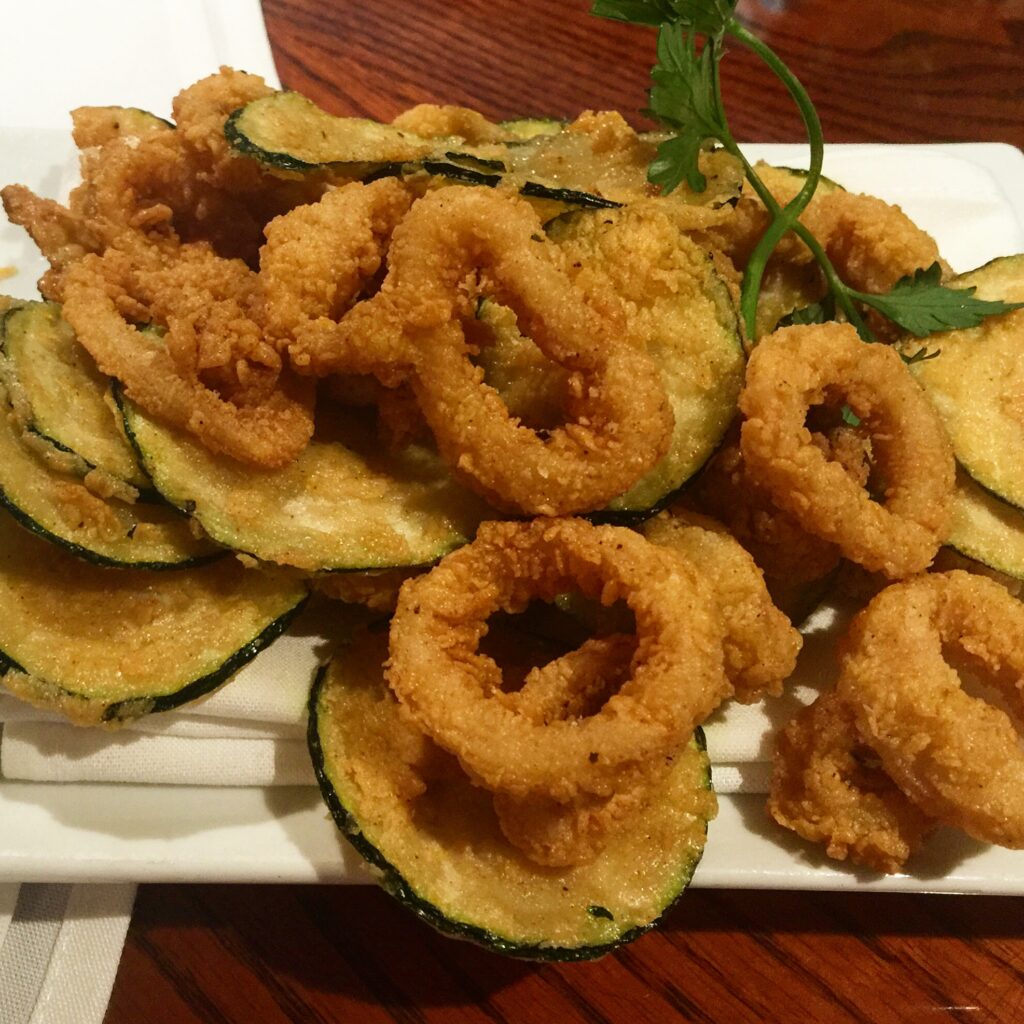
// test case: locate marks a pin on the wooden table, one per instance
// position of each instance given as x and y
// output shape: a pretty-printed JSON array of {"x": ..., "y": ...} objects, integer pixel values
[{"x": 879, "y": 70}]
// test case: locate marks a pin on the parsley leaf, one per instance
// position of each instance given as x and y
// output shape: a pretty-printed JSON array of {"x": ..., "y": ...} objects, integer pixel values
[
  {"x": 922, "y": 305},
  {"x": 815, "y": 313},
  {"x": 850, "y": 418},
  {"x": 684, "y": 99},
  {"x": 634, "y": 12},
  {"x": 709, "y": 17}
]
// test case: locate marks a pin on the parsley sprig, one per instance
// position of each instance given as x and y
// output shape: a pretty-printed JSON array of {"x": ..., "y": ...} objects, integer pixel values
[{"x": 686, "y": 98}]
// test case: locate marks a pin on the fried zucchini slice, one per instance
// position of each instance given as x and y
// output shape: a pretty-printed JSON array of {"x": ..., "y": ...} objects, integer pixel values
[
  {"x": 288, "y": 132},
  {"x": 67, "y": 400},
  {"x": 344, "y": 504},
  {"x": 976, "y": 382},
  {"x": 440, "y": 851},
  {"x": 62, "y": 508},
  {"x": 986, "y": 529},
  {"x": 543, "y": 159},
  {"x": 103, "y": 646}
]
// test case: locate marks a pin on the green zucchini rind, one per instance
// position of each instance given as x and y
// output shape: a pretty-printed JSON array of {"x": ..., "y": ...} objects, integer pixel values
[
  {"x": 462, "y": 175},
  {"x": 127, "y": 122},
  {"x": 986, "y": 529},
  {"x": 286, "y": 131},
  {"x": 62, "y": 509},
  {"x": 523, "y": 129},
  {"x": 560, "y": 914},
  {"x": 66, "y": 399},
  {"x": 569, "y": 196},
  {"x": 105, "y": 646},
  {"x": 977, "y": 379},
  {"x": 343, "y": 505}
]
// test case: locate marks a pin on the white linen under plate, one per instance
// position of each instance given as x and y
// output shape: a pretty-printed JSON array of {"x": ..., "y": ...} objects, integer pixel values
[{"x": 255, "y": 735}]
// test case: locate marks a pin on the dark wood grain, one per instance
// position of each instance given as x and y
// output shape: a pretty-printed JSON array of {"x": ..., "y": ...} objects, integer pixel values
[
  {"x": 879, "y": 70},
  {"x": 275, "y": 954}
]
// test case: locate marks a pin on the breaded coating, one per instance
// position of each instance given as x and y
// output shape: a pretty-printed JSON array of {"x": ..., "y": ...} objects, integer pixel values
[
  {"x": 828, "y": 788},
  {"x": 759, "y": 644}
]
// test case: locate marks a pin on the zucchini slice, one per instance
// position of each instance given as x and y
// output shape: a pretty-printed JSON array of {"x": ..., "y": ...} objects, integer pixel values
[
  {"x": 67, "y": 399},
  {"x": 571, "y": 166},
  {"x": 103, "y": 646},
  {"x": 684, "y": 313},
  {"x": 986, "y": 529},
  {"x": 522, "y": 129},
  {"x": 344, "y": 504},
  {"x": 288, "y": 132},
  {"x": 976, "y": 382},
  {"x": 442, "y": 854},
  {"x": 96, "y": 126},
  {"x": 107, "y": 531},
  {"x": 543, "y": 159}
]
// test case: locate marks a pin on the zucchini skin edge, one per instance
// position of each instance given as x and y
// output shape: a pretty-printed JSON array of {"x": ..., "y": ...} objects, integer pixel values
[
  {"x": 392, "y": 881},
  {"x": 244, "y": 145},
  {"x": 120, "y": 711},
  {"x": 95, "y": 557}
]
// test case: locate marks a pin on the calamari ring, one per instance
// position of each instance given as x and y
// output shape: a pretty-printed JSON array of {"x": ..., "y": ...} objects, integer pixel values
[
  {"x": 759, "y": 643},
  {"x": 557, "y": 834},
  {"x": 577, "y": 684},
  {"x": 827, "y": 790},
  {"x": 316, "y": 261},
  {"x": 956, "y": 756},
  {"x": 269, "y": 434},
  {"x": 573, "y": 687},
  {"x": 782, "y": 549},
  {"x": 871, "y": 243},
  {"x": 620, "y": 421},
  {"x": 451, "y": 689},
  {"x": 799, "y": 367}
]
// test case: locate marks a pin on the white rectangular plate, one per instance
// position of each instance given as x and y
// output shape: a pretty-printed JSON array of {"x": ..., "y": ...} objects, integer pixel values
[{"x": 969, "y": 196}]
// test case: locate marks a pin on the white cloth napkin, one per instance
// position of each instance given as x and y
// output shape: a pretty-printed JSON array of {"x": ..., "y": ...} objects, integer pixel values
[
  {"x": 59, "y": 950},
  {"x": 252, "y": 732}
]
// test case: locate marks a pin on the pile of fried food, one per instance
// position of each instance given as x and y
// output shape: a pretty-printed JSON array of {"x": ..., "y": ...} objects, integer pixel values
[{"x": 343, "y": 350}]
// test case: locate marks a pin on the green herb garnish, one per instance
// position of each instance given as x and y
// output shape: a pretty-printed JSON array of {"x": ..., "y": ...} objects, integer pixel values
[
  {"x": 850, "y": 418},
  {"x": 686, "y": 98}
]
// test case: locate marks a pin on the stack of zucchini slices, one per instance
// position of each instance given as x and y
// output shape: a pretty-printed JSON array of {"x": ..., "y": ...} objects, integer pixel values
[
  {"x": 975, "y": 379},
  {"x": 111, "y": 606}
]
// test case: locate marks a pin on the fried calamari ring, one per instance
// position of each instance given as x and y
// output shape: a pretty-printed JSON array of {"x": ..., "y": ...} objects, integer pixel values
[
  {"x": 376, "y": 589},
  {"x": 270, "y": 433},
  {"x": 780, "y": 546},
  {"x": 619, "y": 420},
  {"x": 797, "y": 368},
  {"x": 431, "y": 121},
  {"x": 558, "y": 833},
  {"x": 828, "y": 788},
  {"x": 759, "y": 643},
  {"x": 759, "y": 647},
  {"x": 956, "y": 756},
  {"x": 452, "y": 690},
  {"x": 871, "y": 243},
  {"x": 316, "y": 262}
]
